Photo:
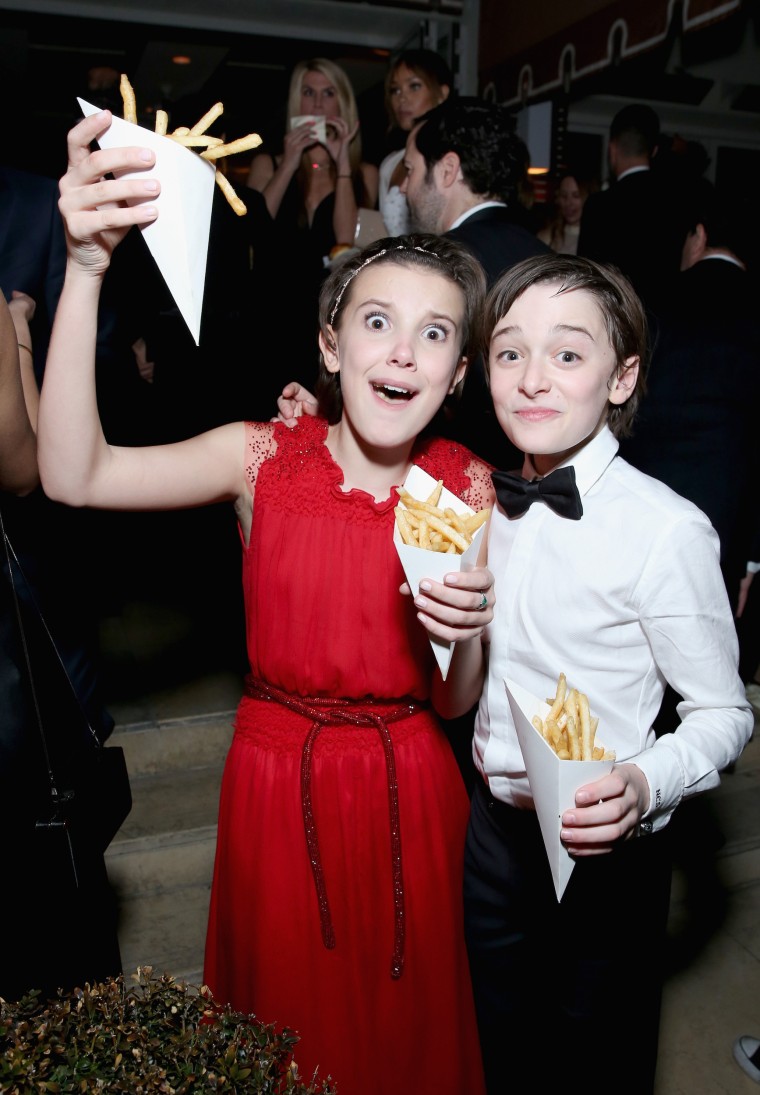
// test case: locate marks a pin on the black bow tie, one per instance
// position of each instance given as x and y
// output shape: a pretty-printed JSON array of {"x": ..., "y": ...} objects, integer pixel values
[{"x": 557, "y": 490}]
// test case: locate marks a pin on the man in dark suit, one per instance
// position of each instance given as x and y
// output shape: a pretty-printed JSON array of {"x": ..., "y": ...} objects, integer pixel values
[
  {"x": 697, "y": 427},
  {"x": 56, "y": 545},
  {"x": 464, "y": 164},
  {"x": 635, "y": 224}
]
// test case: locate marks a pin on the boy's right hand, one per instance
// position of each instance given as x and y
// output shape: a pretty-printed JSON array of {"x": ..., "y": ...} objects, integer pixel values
[
  {"x": 92, "y": 206},
  {"x": 295, "y": 401}
]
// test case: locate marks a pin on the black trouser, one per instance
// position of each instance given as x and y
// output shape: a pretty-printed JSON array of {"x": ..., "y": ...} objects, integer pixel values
[{"x": 567, "y": 993}]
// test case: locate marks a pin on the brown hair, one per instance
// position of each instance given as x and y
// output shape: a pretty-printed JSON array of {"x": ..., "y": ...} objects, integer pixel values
[
  {"x": 622, "y": 311},
  {"x": 422, "y": 251}
]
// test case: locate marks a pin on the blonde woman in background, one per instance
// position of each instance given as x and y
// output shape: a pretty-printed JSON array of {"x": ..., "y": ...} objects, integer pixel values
[
  {"x": 418, "y": 80},
  {"x": 318, "y": 185},
  {"x": 313, "y": 190}
]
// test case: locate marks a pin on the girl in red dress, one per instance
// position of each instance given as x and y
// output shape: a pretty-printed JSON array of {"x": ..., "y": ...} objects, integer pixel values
[{"x": 336, "y": 906}]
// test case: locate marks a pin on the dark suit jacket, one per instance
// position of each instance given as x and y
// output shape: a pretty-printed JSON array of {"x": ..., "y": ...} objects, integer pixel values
[
  {"x": 697, "y": 427},
  {"x": 498, "y": 243},
  {"x": 32, "y": 248},
  {"x": 637, "y": 226}
]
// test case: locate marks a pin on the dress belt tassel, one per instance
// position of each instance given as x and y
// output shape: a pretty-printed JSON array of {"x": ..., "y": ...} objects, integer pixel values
[{"x": 328, "y": 711}]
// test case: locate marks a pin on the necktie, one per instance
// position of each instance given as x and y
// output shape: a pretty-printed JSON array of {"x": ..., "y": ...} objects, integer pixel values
[{"x": 557, "y": 490}]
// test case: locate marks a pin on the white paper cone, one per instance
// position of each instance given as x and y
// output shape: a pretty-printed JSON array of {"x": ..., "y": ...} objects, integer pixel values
[
  {"x": 553, "y": 782},
  {"x": 419, "y": 564},
  {"x": 178, "y": 238}
]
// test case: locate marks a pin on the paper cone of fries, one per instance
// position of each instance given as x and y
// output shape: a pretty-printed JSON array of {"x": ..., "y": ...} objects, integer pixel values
[
  {"x": 178, "y": 238},
  {"x": 419, "y": 563},
  {"x": 553, "y": 782}
]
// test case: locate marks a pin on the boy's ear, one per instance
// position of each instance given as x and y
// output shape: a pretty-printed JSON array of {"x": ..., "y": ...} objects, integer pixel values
[
  {"x": 329, "y": 349},
  {"x": 459, "y": 374},
  {"x": 623, "y": 383},
  {"x": 694, "y": 247}
]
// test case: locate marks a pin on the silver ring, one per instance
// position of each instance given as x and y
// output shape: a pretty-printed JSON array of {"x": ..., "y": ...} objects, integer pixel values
[{"x": 483, "y": 603}]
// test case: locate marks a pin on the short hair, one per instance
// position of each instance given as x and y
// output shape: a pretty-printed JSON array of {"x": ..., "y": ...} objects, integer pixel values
[
  {"x": 726, "y": 218},
  {"x": 422, "y": 251},
  {"x": 636, "y": 130},
  {"x": 425, "y": 63},
  {"x": 337, "y": 76},
  {"x": 482, "y": 135},
  {"x": 622, "y": 311}
]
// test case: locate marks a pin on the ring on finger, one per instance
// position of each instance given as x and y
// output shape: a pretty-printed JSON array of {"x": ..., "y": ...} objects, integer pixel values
[{"x": 483, "y": 603}]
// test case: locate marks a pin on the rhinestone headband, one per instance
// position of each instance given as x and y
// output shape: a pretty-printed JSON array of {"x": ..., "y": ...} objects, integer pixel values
[{"x": 358, "y": 270}]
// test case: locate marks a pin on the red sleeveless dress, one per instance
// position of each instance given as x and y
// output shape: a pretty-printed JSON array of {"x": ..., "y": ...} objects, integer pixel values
[{"x": 336, "y": 907}]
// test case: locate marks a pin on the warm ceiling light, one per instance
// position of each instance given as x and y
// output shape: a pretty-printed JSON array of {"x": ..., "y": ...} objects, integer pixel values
[
  {"x": 538, "y": 170},
  {"x": 181, "y": 59}
]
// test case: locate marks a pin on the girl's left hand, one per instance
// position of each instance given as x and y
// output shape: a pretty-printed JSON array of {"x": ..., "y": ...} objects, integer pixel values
[{"x": 459, "y": 608}]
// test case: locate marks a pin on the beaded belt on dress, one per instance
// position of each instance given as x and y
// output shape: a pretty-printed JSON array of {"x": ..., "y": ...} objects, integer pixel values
[{"x": 328, "y": 711}]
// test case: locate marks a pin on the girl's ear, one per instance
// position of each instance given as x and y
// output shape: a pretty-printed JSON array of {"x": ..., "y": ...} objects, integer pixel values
[
  {"x": 459, "y": 374},
  {"x": 623, "y": 383},
  {"x": 445, "y": 89},
  {"x": 329, "y": 348}
]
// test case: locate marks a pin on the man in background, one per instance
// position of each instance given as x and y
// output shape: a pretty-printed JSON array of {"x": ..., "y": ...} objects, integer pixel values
[
  {"x": 636, "y": 224},
  {"x": 464, "y": 165}
]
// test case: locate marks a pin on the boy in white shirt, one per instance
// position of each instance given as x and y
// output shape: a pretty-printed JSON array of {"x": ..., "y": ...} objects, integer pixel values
[{"x": 620, "y": 588}]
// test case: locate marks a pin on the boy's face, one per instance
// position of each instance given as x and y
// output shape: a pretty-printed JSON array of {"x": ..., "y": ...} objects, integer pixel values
[{"x": 554, "y": 373}]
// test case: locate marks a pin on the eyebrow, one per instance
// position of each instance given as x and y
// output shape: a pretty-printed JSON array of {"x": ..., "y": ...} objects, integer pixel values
[
  {"x": 558, "y": 328},
  {"x": 375, "y": 302}
]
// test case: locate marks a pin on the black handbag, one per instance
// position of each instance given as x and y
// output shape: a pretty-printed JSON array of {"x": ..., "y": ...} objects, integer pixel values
[{"x": 87, "y": 793}]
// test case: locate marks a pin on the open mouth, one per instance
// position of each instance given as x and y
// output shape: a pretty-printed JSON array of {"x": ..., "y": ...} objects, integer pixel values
[{"x": 393, "y": 394}]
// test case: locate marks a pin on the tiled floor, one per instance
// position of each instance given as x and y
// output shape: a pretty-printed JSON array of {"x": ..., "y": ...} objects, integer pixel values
[{"x": 170, "y": 651}]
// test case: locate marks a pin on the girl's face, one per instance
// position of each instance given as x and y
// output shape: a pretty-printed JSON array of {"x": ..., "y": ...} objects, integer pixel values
[
  {"x": 397, "y": 350},
  {"x": 319, "y": 96},
  {"x": 570, "y": 201},
  {"x": 553, "y": 373},
  {"x": 412, "y": 95}
]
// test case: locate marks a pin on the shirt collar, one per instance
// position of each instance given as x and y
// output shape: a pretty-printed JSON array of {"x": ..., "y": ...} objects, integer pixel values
[
  {"x": 633, "y": 171},
  {"x": 476, "y": 209}
]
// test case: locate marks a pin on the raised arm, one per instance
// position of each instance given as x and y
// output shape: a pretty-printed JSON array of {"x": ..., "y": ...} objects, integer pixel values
[
  {"x": 77, "y": 465},
  {"x": 346, "y": 211},
  {"x": 18, "y": 449}
]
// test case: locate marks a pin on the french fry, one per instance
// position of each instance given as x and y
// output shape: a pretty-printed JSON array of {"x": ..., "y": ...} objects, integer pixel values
[
  {"x": 191, "y": 141},
  {"x": 128, "y": 99},
  {"x": 569, "y": 728},
  {"x": 587, "y": 740},
  {"x": 559, "y": 698},
  {"x": 242, "y": 144},
  {"x": 435, "y": 494},
  {"x": 405, "y": 529},
  {"x": 573, "y": 739},
  {"x": 214, "y": 148},
  {"x": 447, "y": 530},
  {"x": 226, "y": 187},
  {"x": 208, "y": 119}
]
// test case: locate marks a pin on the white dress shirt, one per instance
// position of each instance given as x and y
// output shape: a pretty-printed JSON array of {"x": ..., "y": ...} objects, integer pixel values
[{"x": 622, "y": 601}]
